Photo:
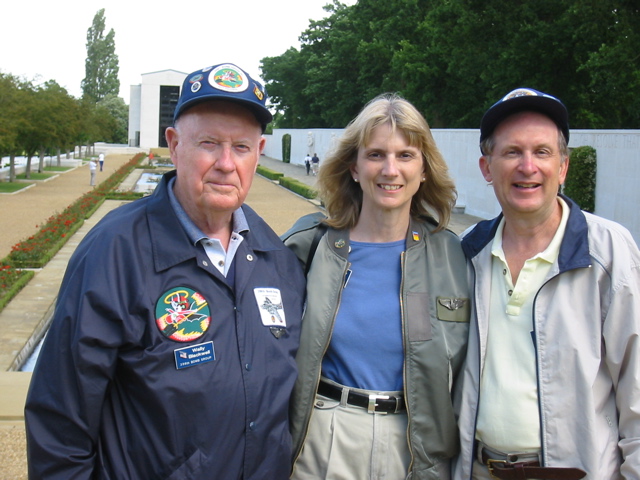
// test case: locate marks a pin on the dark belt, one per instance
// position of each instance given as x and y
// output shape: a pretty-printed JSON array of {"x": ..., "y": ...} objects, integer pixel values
[
  {"x": 372, "y": 403},
  {"x": 507, "y": 467}
]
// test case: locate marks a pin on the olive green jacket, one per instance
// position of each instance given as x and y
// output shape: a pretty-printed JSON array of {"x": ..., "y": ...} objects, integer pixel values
[{"x": 435, "y": 318}]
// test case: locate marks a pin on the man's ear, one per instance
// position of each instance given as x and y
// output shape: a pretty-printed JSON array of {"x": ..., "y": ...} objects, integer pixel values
[
  {"x": 171, "y": 134},
  {"x": 484, "y": 163},
  {"x": 564, "y": 168}
]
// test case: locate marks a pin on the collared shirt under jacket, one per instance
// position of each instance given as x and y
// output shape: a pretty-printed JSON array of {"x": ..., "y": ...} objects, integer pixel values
[{"x": 586, "y": 329}]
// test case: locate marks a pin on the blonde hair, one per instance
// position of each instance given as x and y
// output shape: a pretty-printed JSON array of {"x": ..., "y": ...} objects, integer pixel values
[{"x": 343, "y": 197}]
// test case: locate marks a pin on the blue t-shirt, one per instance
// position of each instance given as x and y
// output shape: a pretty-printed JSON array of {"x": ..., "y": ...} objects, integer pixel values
[{"x": 366, "y": 349}]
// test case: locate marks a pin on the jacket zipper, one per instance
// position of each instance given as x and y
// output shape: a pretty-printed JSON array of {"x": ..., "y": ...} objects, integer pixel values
[
  {"x": 475, "y": 423},
  {"x": 538, "y": 370},
  {"x": 326, "y": 347},
  {"x": 404, "y": 361}
]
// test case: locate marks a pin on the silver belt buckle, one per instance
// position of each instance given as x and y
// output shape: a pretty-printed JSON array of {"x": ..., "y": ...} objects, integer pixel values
[{"x": 372, "y": 403}]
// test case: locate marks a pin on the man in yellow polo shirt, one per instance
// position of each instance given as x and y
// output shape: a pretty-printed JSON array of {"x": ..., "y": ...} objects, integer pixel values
[{"x": 551, "y": 387}]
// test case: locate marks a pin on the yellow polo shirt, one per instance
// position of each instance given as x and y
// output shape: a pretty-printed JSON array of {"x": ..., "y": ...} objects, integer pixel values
[{"x": 508, "y": 416}]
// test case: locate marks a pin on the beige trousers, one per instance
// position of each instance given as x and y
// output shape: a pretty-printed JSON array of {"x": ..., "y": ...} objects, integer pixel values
[{"x": 348, "y": 443}]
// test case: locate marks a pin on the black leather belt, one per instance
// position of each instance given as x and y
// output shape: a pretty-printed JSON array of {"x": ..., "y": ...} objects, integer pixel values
[
  {"x": 523, "y": 466},
  {"x": 372, "y": 403}
]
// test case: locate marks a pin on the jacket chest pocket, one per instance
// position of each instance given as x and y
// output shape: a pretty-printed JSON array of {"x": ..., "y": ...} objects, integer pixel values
[{"x": 418, "y": 320}]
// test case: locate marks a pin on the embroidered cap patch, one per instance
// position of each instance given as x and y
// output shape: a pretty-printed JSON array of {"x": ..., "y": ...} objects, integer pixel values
[
  {"x": 182, "y": 314},
  {"x": 228, "y": 78}
]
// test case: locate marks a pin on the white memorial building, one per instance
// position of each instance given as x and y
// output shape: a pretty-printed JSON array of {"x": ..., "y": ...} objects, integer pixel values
[{"x": 151, "y": 107}]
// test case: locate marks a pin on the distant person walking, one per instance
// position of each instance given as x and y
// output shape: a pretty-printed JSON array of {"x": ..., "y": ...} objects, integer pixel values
[
  {"x": 307, "y": 163},
  {"x": 93, "y": 165},
  {"x": 315, "y": 164},
  {"x": 101, "y": 160}
]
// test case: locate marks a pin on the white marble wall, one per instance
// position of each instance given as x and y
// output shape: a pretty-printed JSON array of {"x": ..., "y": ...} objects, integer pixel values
[{"x": 617, "y": 179}]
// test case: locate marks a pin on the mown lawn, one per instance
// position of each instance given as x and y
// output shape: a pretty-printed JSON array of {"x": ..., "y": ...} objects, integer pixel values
[{"x": 10, "y": 187}]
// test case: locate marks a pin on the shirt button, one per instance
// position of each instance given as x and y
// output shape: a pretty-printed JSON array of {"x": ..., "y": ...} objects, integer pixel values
[
  {"x": 204, "y": 262},
  {"x": 221, "y": 263},
  {"x": 319, "y": 403},
  {"x": 252, "y": 426},
  {"x": 504, "y": 272},
  {"x": 510, "y": 292},
  {"x": 250, "y": 257},
  {"x": 248, "y": 367}
]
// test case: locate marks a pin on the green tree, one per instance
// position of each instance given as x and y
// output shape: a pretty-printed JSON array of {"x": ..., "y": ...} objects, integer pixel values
[
  {"x": 611, "y": 64},
  {"x": 101, "y": 64},
  {"x": 51, "y": 117},
  {"x": 328, "y": 49},
  {"x": 10, "y": 119},
  {"x": 454, "y": 58},
  {"x": 313, "y": 86},
  {"x": 580, "y": 183},
  {"x": 96, "y": 123},
  {"x": 286, "y": 80},
  {"x": 119, "y": 111}
]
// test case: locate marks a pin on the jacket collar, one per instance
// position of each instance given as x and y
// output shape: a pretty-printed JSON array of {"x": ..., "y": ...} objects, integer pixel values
[
  {"x": 574, "y": 249},
  {"x": 171, "y": 244},
  {"x": 418, "y": 229}
]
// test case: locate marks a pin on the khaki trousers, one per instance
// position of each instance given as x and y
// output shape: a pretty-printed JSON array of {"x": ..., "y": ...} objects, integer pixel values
[{"x": 345, "y": 442}]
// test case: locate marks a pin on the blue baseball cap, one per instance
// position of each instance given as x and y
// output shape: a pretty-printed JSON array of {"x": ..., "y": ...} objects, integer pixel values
[
  {"x": 224, "y": 82},
  {"x": 523, "y": 99}
]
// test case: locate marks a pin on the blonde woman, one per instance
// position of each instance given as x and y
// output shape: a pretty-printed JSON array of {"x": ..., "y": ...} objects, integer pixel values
[{"x": 385, "y": 328}]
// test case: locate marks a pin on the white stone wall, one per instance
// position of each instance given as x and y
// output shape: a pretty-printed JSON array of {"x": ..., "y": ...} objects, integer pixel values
[
  {"x": 317, "y": 140},
  {"x": 135, "y": 92},
  {"x": 617, "y": 179}
]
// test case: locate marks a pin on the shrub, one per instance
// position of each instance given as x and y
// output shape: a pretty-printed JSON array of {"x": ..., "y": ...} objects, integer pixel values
[
  {"x": 580, "y": 184},
  {"x": 286, "y": 148},
  {"x": 298, "y": 187},
  {"x": 12, "y": 280},
  {"x": 268, "y": 173}
]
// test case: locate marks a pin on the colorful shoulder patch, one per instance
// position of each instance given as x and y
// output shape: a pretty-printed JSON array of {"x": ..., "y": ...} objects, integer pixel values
[{"x": 182, "y": 314}]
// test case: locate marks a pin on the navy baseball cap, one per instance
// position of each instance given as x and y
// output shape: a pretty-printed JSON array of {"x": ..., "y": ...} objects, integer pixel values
[
  {"x": 525, "y": 99},
  {"x": 224, "y": 82}
]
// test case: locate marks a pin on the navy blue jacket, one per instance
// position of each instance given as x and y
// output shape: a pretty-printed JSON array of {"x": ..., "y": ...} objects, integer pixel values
[{"x": 107, "y": 399}]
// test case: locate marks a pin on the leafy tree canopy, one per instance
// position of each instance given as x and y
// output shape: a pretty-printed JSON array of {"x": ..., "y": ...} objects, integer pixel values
[{"x": 455, "y": 58}]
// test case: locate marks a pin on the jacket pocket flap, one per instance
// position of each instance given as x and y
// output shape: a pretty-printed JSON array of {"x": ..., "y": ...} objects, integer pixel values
[{"x": 453, "y": 309}]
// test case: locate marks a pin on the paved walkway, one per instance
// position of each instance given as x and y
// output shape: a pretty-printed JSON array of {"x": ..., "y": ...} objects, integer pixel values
[
  {"x": 24, "y": 320},
  {"x": 21, "y": 212}
]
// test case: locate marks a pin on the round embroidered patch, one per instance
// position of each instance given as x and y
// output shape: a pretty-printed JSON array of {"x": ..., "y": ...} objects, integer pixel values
[
  {"x": 228, "y": 78},
  {"x": 196, "y": 78},
  {"x": 182, "y": 314}
]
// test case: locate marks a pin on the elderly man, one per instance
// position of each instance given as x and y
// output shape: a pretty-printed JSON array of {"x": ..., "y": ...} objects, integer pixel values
[
  {"x": 172, "y": 350},
  {"x": 551, "y": 388}
]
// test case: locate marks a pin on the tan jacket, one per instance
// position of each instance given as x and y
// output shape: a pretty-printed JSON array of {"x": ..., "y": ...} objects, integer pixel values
[{"x": 586, "y": 322}]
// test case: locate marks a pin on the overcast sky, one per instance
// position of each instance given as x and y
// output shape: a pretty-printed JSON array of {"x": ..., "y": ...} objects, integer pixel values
[{"x": 46, "y": 40}]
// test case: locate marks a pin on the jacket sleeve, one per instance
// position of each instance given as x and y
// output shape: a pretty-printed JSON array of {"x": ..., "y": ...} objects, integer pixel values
[
  {"x": 72, "y": 376},
  {"x": 300, "y": 236},
  {"x": 621, "y": 331}
]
